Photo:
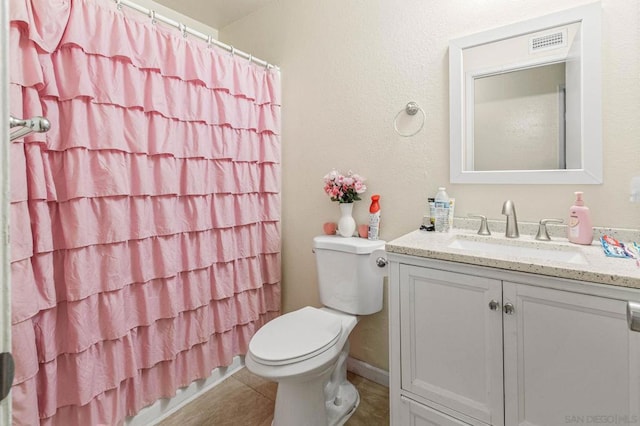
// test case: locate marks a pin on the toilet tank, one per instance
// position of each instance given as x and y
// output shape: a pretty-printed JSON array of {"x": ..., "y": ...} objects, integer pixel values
[{"x": 347, "y": 277}]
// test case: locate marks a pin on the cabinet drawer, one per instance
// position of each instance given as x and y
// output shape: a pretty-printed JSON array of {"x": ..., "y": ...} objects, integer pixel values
[{"x": 415, "y": 414}]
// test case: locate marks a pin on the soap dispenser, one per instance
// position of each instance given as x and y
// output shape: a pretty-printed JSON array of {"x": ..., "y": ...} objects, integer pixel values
[{"x": 580, "y": 230}]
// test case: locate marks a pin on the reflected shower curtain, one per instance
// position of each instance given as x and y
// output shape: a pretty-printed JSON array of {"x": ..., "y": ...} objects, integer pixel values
[{"x": 145, "y": 225}]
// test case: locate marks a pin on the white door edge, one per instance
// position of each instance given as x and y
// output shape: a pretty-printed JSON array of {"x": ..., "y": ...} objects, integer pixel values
[{"x": 5, "y": 283}]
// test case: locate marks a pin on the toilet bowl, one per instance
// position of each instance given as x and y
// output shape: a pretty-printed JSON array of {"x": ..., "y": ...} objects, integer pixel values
[{"x": 306, "y": 351}]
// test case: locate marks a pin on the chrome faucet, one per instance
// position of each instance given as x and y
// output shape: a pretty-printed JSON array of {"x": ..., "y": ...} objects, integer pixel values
[{"x": 509, "y": 210}]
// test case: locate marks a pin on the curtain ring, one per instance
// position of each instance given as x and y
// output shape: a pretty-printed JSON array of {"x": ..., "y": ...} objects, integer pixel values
[
  {"x": 250, "y": 58},
  {"x": 233, "y": 51},
  {"x": 152, "y": 15},
  {"x": 411, "y": 108},
  {"x": 183, "y": 30},
  {"x": 119, "y": 4},
  {"x": 209, "y": 42}
]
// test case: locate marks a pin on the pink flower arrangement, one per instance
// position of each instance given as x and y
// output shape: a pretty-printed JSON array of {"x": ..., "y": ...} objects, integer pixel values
[{"x": 344, "y": 189}]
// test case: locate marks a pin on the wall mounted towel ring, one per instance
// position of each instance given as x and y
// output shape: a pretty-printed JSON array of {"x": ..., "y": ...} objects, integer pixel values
[{"x": 412, "y": 108}]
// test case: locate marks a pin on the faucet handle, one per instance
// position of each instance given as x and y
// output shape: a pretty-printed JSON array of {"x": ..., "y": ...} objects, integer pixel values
[
  {"x": 543, "y": 234},
  {"x": 484, "y": 229}
]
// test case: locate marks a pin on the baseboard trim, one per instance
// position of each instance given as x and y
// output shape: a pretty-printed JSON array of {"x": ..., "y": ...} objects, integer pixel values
[
  {"x": 163, "y": 408},
  {"x": 368, "y": 371}
]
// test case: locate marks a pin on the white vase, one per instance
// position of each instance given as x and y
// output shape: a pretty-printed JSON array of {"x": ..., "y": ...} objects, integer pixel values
[{"x": 346, "y": 224}]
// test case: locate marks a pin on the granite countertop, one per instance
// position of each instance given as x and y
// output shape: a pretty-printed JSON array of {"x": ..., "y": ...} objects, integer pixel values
[{"x": 578, "y": 262}]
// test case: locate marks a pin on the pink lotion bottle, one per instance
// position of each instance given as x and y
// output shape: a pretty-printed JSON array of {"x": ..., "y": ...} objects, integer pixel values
[{"x": 580, "y": 230}]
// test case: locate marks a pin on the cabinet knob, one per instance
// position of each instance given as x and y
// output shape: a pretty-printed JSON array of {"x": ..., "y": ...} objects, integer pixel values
[
  {"x": 508, "y": 308},
  {"x": 494, "y": 305},
  {"x": 633, "y": 315}
]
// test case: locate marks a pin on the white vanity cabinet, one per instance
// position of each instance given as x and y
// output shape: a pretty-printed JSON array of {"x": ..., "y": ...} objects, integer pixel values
[{"x": 482, "y": 346}]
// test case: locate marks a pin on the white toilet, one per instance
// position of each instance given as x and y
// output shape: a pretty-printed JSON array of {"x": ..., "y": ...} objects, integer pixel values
[{"x": 306, "y": 351}]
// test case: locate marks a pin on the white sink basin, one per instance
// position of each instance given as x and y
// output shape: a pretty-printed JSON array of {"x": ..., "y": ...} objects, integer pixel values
[{"x": 520, "y": 249}]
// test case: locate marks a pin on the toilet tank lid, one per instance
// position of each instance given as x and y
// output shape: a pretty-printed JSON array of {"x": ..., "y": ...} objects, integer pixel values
[{"x": 347, "y": 244}]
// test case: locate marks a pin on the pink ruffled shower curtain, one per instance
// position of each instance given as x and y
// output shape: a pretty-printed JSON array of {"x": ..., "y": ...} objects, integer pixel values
[{"x": 145, "y": 225}]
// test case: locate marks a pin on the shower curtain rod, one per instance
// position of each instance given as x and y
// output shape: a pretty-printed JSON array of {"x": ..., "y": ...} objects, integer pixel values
[{"x": 186, "y": 30}]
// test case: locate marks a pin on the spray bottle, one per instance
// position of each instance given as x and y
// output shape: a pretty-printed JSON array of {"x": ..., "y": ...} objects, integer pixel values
[{"x": 374, "y": 218}]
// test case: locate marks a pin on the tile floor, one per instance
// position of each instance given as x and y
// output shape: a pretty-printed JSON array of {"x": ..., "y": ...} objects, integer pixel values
[{"x": 248, "y": 400}]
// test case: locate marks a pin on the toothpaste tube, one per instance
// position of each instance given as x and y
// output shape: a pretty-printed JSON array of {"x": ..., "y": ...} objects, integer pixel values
[
  {"x": 632, "y": 250},
  {"x": 613, "y": 247}
]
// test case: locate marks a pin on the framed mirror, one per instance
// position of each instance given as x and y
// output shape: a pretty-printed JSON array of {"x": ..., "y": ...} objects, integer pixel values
[{"x": 526, "y": 102}]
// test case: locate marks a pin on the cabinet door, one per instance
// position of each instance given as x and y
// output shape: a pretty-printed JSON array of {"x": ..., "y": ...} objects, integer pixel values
[
  {"x": 569, "y": 359},
  {"x": 414, "y": 414},
  {"x": 451, "y": 341}
]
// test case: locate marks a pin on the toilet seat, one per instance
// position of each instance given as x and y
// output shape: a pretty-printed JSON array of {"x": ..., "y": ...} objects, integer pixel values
[{"x": 295, "y": 336}]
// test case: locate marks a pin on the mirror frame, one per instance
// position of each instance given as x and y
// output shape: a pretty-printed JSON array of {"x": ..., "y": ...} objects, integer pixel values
[{"x": 591, "y": 99}]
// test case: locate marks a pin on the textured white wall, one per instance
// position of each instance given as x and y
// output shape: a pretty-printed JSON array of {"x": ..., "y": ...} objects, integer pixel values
[{"x": 349, "y": 66}]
